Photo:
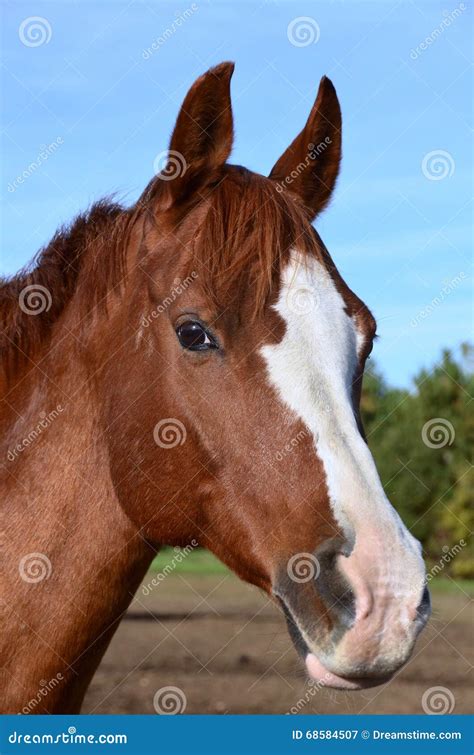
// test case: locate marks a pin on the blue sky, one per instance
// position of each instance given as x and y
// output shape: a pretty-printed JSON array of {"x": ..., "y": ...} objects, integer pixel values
[{"x": 80, "y": 79}]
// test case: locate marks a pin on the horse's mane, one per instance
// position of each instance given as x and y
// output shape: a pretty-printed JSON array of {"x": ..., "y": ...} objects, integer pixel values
[
  {"x": 51, "y": 279},
  {"x": 244, "y": 238}
]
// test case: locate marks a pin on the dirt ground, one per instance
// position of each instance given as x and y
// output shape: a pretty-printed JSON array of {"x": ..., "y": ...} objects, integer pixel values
[{"x": 226, "y": 648}]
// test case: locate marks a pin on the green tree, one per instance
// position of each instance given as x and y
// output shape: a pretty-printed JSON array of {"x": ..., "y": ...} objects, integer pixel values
[{"x": 422, "y": 442}]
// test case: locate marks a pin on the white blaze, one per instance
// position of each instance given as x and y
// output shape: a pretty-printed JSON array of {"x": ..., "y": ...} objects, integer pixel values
[{"x": 312, "y": 368}]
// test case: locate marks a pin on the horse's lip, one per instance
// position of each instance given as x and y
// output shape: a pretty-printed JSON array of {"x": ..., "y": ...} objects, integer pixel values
[
  {"x": 325, "y": 678},
  {"x": 296, "y": 637},
  {"x": 317, "y": 671}
]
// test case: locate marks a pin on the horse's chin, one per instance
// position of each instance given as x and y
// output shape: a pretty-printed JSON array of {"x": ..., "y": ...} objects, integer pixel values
[
  {"x": 319, "y": 674},
  {"x": 322, "y": 677}
]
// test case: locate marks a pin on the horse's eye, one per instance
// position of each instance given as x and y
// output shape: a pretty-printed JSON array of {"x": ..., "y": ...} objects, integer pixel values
[
  {"x": 371, "y": 347},
  {"x": 194, "y": 336}
]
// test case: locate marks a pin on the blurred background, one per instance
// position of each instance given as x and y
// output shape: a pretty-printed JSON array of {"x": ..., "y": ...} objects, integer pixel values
[{"x": 90, "y": 92}]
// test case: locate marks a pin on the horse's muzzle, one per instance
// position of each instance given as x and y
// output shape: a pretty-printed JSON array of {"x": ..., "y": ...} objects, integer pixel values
[{"x": 351, "y": 636}]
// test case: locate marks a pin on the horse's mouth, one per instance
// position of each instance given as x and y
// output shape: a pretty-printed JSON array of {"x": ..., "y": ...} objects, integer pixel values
[
  {"x": 317, "y": 671},
  {"x": 320, "y": 675}
]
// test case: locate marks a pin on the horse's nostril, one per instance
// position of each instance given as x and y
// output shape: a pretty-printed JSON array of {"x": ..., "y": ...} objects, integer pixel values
[
  {"x": 337, "y": 594},
  {"x": 424, "y": 609},
  {"x": 344, "y": 606}
]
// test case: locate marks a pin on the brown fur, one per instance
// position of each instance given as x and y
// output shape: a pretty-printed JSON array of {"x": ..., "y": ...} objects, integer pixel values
[{"x": 315, "y": 183}]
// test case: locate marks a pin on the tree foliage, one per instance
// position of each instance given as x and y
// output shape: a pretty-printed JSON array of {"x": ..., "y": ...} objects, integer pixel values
[{"x": 422, "y": 442}]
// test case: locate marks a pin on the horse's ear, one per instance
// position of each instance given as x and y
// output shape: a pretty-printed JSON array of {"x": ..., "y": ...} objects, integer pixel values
[
  {"x": 203, "y": 134},
  {"x": 310, "y": 165}
]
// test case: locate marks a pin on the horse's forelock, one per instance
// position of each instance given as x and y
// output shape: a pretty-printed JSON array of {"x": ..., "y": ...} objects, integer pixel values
[{"x": 245, "y": 238}]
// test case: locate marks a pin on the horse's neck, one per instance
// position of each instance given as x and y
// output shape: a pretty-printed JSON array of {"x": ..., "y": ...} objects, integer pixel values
[{"x": 71, "y": 558}]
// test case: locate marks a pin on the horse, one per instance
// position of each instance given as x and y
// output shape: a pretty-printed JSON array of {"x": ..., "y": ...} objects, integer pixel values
[{"x": 189, "y": 369}]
